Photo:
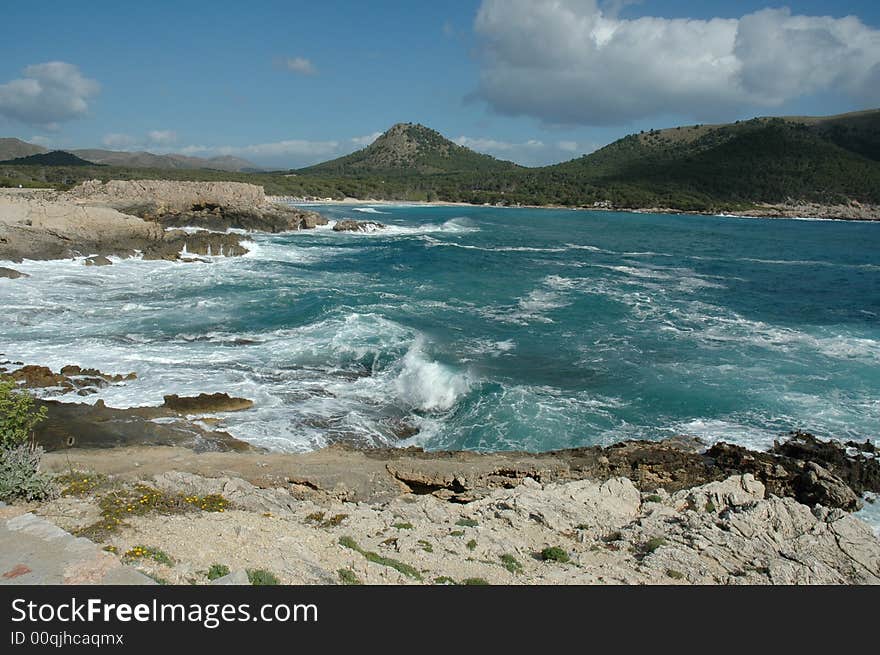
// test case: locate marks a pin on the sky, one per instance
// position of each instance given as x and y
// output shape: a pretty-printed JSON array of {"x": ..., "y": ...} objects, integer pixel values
[{"x": 286, "y": 84}]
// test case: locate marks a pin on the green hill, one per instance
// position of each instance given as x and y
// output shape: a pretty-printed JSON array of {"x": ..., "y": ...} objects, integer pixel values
[
  {"x": 54, "y": 158},
  {"x": 406, "y": 149},
  {"x": 825, "y": 160}
]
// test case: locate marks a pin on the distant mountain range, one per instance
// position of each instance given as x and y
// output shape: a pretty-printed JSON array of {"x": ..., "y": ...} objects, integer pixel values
[
  {"x": 11, "y": 149},
  {"x": 832, "y": 160}
]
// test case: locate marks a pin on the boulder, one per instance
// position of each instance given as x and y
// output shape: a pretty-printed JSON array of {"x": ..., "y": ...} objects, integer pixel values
[
  {"x": 817, "y": 486},
  {"x": 206, "y": 403},
  {"x": 97, "y": 260},
  {"x": 11, "y": 273},
  {"x": 357, "y": 226}
]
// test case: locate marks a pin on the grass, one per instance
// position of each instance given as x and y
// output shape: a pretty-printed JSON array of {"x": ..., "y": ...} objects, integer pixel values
[
  {"x": 474, "y": 582},
  {"x": 315, "y": 517},
  {"x": 653, "y": 498},
  {"x": 710, "y": 506},
  {"x": 348, "y": 577},
  {"x": 426, "y": 546},
  {"x": 456, "y": 533},
  {"x": 554, "y": 554},
  {"x": 467, "y": 523},
  {"x": 262, "y": 578},
  {"x": 376, "y": 558},
  {"x": 217, "y": 571},
  {"x": 140, "y": 553},
  {"x": 472, "y": 544},
  {"x": 402, "y": 526},
  {"x": 444, "y": 579},
  {"x": 141, "y": 500},
  {"x": 511, "y": 564},
  {"x": 675, "y": 575},
  {"x": 653, "y": 544},
  {"x": 80, "y": 484}
]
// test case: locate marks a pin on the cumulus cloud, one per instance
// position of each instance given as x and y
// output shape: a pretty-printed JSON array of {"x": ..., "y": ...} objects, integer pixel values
[
  {"x": 533, "y": 152},
  {"x": 300, "y": 65},
  {"x": 47, "y": 95},
  {"x": 573, "y": 62}
]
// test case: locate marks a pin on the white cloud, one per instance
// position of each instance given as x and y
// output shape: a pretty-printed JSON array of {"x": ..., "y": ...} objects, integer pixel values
[
  {"x": 48, "y": 94},
  {"x": 570, "y": 62},
  {"x": 533, "y": 152},
  {"x": 162, "y": 137},
  {"x": 120, "y": 141},
  {"x": 300, "y": 65},
  {"x": 290, "y": 153}
]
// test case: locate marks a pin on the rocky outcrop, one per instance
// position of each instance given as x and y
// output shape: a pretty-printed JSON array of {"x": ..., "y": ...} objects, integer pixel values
[
  {"x": 154, "y": 198},
  {"x": 208, "y": 205},
  {"x": 357, "y": 226},
  {"x": 77, "y": 425},
  {"x": 206, "y": 403},
  {"x": 97, "y": 260},
  {"x": 11, "y": 273},
  {"x": 53, "y": 229},
  {"x": 83, "y": 381}
]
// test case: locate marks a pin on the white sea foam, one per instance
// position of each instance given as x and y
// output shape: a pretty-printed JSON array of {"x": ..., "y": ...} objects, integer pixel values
[
  {"x": 428, "y": 385},
  {"x": 367, "y": 210}
]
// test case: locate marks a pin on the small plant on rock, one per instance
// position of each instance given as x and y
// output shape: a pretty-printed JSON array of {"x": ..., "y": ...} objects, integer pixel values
[
  {"x": 20, "y": 476},
  {"x": 217, "y": 571}
]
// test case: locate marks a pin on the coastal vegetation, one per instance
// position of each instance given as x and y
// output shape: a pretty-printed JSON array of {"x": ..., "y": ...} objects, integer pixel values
[{"x": 20, "y": 475}]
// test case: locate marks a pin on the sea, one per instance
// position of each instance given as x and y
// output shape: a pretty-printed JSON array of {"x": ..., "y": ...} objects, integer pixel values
[{"x": 487, "y": 328}]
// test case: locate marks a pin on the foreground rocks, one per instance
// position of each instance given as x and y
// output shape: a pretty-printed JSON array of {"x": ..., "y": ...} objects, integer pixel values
[
  {"x": 207, "y": 403},
  {"x": 574, "y": 532}
]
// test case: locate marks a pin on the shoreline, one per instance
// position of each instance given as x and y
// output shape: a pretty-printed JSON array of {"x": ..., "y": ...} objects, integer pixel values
[{"x": 793, "y": 212}]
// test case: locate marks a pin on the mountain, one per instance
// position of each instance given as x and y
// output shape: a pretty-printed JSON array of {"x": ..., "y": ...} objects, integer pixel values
[
  {"x": 15, "y": 148},
  {"x": 410, "y": 148},
  {"x": 820, "y": 159},
  {"x": 150, "y": 160},
  {"x": 54, "y": 158}
]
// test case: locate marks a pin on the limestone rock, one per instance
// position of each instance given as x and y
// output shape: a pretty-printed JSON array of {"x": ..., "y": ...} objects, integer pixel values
[{"x": 237, "y": 577}]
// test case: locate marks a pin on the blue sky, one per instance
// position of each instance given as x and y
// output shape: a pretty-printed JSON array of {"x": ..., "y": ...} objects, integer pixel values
[{"x": 291, "y": 83}]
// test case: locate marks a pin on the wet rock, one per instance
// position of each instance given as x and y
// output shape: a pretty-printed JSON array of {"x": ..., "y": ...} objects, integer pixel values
[
  {"x": 206, "y": 403},
  {"x": 97, "y": 260},
  {"x": 11, "y": 273},
  {"x": 816, "y": 486},
  {"x": 177, "y": 243},
  {"x": 78, "y": 425},
  {"x": 70, "y": 378},
  {"x": 859, "y": 468},
  {"x": 357, "y": 226}
]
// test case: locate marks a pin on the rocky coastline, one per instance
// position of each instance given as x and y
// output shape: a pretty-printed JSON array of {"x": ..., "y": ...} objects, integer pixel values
[
  {"x": 638, "y": 512},
  {"x": 142, "y": 217},
  {"x": 166, "y": 490}
]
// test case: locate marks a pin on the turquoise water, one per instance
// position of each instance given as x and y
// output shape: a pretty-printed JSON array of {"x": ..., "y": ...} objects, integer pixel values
[{"x": 489, "y": 328}]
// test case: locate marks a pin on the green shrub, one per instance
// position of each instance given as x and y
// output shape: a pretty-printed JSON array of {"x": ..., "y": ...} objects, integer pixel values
[
  {"x": 474, "y": 582},
  {"x": 20, "y": 477},
  {"x": 348, "y": 577},
  {"x": 472, "y": 544},
  {"x": 511, "y": 564},
  {"x": 18, "y": 418},
  {"x": 554, "y": 554},
  {"x": 217, "y": 571},
  {"x": 653, "y": 544},
  {"x": 262, "y": 578},
  {"x": 467, "y": 523}
]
